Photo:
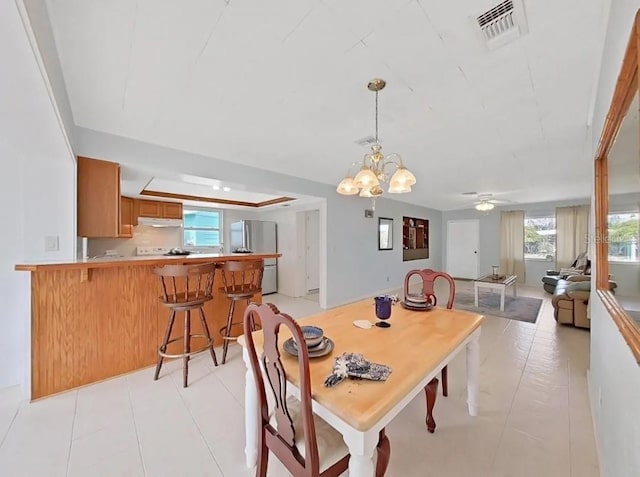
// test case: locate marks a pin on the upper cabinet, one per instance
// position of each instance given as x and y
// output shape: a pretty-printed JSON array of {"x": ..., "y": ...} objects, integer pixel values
[
  {"x": 157, "y": 209},
  {"x": 172, "y": 210},
  {"x": 126, "y": 217},
  {"x": 98, "y": 194}
]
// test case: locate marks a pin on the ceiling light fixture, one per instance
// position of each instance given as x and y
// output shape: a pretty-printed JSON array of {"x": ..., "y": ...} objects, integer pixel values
[
  {"x": 372, "y": 173},
  {"x": 226, "y": 189},
  {"x": 216, "y": 187},
  {"x": 484, "y": 206}
]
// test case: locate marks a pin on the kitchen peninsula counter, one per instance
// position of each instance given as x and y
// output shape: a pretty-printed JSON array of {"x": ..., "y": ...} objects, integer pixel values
[{"x": 98, "y": 318}]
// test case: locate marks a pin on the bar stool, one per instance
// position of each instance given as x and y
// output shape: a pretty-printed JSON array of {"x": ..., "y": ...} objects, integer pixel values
[
  {"x": 185, "y": 288},
  {"x": 241, "y": 280}
]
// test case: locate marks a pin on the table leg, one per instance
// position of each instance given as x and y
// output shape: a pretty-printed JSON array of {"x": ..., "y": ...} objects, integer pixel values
[
  {"x": 515, "y": 289},
  {"x": 502, "y": 299},
  {"x": 431, "y": 392},
  {"x": 475, "y": 294},
  {"x": 361, "y": 447},
  {"x": 473, "y": 373},
  {"x": 250, "y": 413}
]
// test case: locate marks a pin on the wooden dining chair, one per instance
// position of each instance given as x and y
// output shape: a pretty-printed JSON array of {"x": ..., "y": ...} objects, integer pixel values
[
  {"x": 306, "y": 444},
  {"x": 428, "y": 277}
]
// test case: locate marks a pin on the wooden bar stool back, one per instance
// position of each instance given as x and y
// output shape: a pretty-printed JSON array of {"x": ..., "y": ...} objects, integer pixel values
[
  {"x": 241, "y": 280},
  {"x": 428, "y": 277},
  {"x": 185, "y": 288},
  {"x": 304, "y": 443}
]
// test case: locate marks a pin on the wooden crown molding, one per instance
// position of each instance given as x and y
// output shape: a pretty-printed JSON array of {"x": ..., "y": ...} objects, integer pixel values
[{"x": 169, "y": 195}]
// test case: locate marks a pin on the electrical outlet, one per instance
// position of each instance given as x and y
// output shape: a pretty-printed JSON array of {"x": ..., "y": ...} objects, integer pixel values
[{"x": 51, "y": 243}]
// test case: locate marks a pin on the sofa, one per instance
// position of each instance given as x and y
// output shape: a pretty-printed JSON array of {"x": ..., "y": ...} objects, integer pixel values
[
  {"x": 580, "y": 266},
  {"x": 571, "y": 299}
]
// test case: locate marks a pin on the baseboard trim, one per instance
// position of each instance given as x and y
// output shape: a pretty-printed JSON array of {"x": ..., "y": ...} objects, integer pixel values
[{"x": 397, "y": 289}]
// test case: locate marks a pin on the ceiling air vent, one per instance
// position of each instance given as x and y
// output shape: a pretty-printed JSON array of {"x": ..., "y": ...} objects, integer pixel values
[
  {"x": 366, "y": 141},
  {"x": 503, "y": 23}
]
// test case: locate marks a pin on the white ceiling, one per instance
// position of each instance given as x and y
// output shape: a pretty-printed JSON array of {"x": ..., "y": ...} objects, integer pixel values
[{"x": 281, "y": 85}]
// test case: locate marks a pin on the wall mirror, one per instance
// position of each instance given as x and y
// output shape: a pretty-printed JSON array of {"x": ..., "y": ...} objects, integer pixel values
[
  {"x": 415, "y": 238},
  {"x": 617, "y": 171},
  {"x": 385, "y": 234}
]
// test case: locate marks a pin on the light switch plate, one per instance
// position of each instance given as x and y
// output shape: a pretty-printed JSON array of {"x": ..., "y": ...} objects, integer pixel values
[{"x": 51, "y": 243}]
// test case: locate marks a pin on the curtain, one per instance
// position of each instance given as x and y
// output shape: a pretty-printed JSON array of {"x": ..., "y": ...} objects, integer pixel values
[
  {"x": 512, "y": 244},
  {"x": 572, "y": 227}
]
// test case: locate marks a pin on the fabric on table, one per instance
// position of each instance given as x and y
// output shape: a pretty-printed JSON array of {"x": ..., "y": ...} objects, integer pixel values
[{"x": 353, "y": 365}]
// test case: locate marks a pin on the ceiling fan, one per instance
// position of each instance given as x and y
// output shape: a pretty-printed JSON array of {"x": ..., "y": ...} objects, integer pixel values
[{"x": 486, "y": 202}]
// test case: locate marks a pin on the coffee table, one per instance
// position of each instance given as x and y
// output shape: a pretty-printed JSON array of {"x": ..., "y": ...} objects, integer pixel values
[{"x": 501, "y": 284}]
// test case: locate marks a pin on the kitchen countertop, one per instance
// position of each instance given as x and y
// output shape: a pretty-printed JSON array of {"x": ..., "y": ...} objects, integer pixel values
[{"x": 110, "y": 262}]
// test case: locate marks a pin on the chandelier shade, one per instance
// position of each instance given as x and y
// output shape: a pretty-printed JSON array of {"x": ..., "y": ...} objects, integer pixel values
[
  {"x": 376, "y": 168},
  {"x": 348, "y": 186}
]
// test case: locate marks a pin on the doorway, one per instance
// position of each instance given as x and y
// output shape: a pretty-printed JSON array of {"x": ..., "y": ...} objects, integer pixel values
[
  {"x": 312, "y": 253},
  {"x": 463, "y": 239}
]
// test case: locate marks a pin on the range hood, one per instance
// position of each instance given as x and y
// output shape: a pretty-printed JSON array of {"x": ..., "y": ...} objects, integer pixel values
[{"x": 157, "y": 222}]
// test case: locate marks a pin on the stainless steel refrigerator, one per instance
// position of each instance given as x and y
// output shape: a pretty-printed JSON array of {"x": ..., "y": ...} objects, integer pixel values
[{"x": 257, "y": 236}]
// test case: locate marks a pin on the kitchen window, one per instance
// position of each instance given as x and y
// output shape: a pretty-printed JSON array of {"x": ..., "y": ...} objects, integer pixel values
[
  {"x": 202, "y": 228},
  {"x": 623, "y": 235},
  {"x": 540, "y": 238}
]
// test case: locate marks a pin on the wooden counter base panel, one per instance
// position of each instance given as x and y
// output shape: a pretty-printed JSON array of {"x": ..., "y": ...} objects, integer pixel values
[{"x": 83, "y": 332}]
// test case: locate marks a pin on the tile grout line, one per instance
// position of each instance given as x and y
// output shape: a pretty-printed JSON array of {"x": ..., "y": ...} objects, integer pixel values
[
  {"x": 13, "y": 420},
  {"x": 135, "y": 427},
  {"x": 504, "y": 427},
  {"x": 206, "y": 443},
  {"x": 569, "y": 412},
  {"x": 73, "y": 425}
]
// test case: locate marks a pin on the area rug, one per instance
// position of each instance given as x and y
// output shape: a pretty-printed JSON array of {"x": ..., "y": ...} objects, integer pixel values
[{"x": 521, "y": 308}]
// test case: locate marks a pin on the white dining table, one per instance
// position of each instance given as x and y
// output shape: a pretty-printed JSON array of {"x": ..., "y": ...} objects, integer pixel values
[{"x": 416, "y": 346}]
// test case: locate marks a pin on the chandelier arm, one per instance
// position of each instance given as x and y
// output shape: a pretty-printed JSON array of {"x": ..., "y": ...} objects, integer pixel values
[{"x": 394, "y": 159}]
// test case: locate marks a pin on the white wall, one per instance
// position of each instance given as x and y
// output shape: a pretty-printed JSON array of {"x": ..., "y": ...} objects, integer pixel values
[
  {"x": 38, "y": 15},
  {"x": 354, "y": 266},
  {"x": 37, "y": 197},
  {"x": 291, "y": 243},
  {"x": 489, "y": 253},
  {"x": 615, "y": 374}
]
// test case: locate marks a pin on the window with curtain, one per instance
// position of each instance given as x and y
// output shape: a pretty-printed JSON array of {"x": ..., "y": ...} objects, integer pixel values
[
  {"x": 202, "y": 228},
  {"x": 540, "y": 238},
  {"x": 624, "y": 237}
]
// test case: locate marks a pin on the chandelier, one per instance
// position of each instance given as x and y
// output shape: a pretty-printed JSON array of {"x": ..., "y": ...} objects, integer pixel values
[{"x": 375, "y": 167}]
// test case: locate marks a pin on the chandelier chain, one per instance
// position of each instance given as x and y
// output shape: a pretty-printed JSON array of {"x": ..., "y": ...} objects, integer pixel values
[{"x": 376, "y": 117}]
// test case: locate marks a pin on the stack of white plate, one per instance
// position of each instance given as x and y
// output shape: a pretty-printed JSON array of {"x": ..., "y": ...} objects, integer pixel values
[{"x": 416, "y": 302}]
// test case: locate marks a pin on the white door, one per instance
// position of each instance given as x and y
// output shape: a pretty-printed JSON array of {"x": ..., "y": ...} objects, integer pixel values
[
  {"x": 463, "y": 238},
  {"x": 312, "y": 249}
]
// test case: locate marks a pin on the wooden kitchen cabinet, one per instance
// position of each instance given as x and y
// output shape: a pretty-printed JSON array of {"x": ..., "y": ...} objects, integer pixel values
[
  {"x": 126, "y": 217},
  {"x": 98, "y": 198},
  {"x": 171, "y": 210},
  {"x": 157, "y": 209},
  {"x": 148, "y": 208}
]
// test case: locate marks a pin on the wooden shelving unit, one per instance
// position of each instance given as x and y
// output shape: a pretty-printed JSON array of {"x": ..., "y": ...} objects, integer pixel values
[{"x": 415, "y": 238}]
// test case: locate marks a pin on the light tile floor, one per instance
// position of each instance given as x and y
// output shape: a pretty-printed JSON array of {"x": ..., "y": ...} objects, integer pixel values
[{"x": 534, "y": 416}]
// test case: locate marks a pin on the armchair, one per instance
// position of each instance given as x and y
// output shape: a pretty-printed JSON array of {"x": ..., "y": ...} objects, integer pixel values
[{"x": 571, "y": 299}]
